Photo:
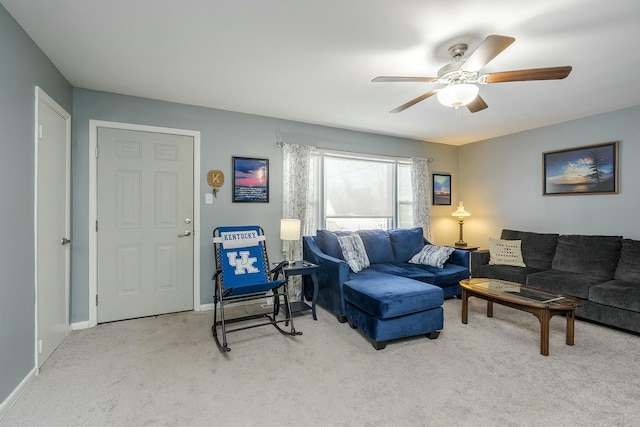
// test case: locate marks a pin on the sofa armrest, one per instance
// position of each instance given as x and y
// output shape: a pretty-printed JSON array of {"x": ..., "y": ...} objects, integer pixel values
[
  {"x": 332, "y": 274},
  {"x": 459, "y": 257},
  {"x": 479, "y": 258}
]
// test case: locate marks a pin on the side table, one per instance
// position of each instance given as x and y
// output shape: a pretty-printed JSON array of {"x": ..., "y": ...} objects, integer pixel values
[
  {"x": 465, "y": 248},
  {"x": 301, "y": 268}
]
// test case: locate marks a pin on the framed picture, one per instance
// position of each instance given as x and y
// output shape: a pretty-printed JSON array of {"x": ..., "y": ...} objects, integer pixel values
[
  {"x": 250, "y": 180},
  {"x": 592, "y": 169},
  {"x": 441, "y": 189}
]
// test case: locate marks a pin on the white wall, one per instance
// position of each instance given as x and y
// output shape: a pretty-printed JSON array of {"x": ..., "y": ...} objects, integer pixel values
[{"x": 501, "y": 181}]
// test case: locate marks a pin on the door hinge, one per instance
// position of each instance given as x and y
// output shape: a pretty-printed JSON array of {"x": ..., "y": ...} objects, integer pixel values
[
  {"x": 39, "y": 131},
  {"x": 96, "y": 226},
  {"x": 96, "y": 299},
  {"x": 97, "y": 151}
]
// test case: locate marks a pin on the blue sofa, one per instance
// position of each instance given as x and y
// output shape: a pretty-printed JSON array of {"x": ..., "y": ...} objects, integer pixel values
[{"x": 392, "y": 298}]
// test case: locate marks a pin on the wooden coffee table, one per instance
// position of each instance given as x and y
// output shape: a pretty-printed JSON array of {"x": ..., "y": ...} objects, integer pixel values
[{"x": 542, "y": 304}]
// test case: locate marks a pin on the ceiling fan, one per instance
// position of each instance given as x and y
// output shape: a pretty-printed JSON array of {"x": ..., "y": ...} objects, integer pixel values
[{"x": 460, "y": 76}]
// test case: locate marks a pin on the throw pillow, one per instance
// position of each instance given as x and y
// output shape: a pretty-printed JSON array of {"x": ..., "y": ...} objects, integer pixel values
[
  {"x": 505, "y": 252},
  {"x": 432, "y": 255},
  {"x": 353, "y": 252}
]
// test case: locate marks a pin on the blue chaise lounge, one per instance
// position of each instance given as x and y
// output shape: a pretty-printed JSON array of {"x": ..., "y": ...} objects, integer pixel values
[{"x": 391, "y": 298}]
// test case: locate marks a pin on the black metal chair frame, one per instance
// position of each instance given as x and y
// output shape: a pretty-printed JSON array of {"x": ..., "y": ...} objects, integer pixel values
[{"x": 222, "y": 297}]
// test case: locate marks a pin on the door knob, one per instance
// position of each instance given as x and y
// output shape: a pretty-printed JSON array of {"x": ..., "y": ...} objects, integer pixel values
[
  {"x": 187, "y": 220},
  {"x": 186, "y": 233},
  {"x": 65, "y": 241}
]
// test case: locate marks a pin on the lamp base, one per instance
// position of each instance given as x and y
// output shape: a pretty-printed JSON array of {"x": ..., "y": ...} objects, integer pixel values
[{"x": 461, "y": 244}]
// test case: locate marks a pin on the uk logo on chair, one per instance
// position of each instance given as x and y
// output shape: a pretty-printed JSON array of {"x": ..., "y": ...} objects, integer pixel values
[{"x": 242, "y": 275}]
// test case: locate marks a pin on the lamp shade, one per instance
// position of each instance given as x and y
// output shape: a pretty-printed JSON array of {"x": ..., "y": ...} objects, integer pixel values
[
  {"x": 457, "y": 94},
  {"x": 289, "y": 229},
  {"x": 460, "y": 212}
]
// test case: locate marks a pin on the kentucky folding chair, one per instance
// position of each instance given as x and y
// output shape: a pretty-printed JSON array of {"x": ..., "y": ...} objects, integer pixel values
[{"x": 242, "y": 274}]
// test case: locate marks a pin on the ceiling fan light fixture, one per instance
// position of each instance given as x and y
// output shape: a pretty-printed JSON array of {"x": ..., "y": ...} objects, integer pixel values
[{"x": 457, "y": 94}]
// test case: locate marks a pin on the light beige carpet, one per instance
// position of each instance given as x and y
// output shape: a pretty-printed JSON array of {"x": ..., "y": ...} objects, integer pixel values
[{"x": 167, "y": 371}]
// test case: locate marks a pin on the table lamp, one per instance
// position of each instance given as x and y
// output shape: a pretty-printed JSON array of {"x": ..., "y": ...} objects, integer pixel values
[
  {"x": 461, "y": 214},
  {"x": 289, "y": 233}
]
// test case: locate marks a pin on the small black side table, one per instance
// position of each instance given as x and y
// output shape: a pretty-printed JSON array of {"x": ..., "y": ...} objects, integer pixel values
[{"x": 301, "y": 268}]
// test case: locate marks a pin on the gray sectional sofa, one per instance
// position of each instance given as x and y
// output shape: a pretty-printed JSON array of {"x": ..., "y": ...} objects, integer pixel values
[{"x": 603, "y": 271}]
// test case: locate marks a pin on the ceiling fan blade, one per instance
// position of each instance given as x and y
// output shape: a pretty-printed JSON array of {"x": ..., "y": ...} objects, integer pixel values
[
  {"x": 491, "y": 47},
  {"x": 551, "y": 73},
  {"x": 477, "y": 104},
  {"x": 404, "y": 79},
  {"x": 414, "y": 101}
]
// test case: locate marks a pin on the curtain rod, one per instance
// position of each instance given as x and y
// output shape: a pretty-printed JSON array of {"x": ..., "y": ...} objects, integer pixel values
[{"x": 281, "y": 144}]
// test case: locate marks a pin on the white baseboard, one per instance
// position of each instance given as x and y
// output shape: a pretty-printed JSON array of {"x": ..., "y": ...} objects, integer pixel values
[
  {"x": 80, "y": 325},
  {"x": 205, "y": 307},
  {"x": 16, "y": 393}
]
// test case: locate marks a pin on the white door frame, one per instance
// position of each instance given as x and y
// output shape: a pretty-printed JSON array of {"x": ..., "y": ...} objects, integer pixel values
[
  {"x": 93, "y": 206},
  {"x": 40, "y": 95}
]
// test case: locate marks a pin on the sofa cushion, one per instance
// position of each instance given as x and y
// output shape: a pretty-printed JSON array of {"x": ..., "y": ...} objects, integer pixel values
[
  {"x": 538, "y": 249},
  {"x": 328, "y": 242},
  {"x": 588, "y": 255},
  {"x": 617, "y": 293},
  {"x": 378, "y": 245},
  {"x": 432, "y": 255},
  {"x": 449, "y": 275},
  {"x": 504, "y": 272},
  {"x": 629, "y": 264},
  {"x": 406, "y": 242},
  {"x": 404, "y": 269},
  {"x": 385, "y": 296},
  {"x": 353, "y": 252},
  {"x": 505, "y": 252},
  {"x": 564, "y": 282}
]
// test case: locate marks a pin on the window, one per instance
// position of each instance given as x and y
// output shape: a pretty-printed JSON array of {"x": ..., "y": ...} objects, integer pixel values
[{"x": 365, "y": 192}]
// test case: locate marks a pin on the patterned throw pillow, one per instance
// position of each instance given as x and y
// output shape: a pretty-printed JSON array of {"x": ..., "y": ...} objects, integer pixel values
[
  {"x": 432, "y": 255},
  {"x": 353, "y": 252},
  {"x": 505, "y": 252}
]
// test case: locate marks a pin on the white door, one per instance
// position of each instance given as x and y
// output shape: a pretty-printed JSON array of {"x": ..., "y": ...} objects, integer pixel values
[
  {"x": 52, "y": 225},
  {"x": 145, "y": 224}
]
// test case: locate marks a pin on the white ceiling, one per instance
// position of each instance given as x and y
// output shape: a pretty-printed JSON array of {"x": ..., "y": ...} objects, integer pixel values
[{"x": 313, "y": 60}]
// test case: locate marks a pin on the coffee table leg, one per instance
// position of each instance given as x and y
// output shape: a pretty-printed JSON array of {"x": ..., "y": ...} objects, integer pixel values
[
  {"x": 545, "y": 317},
  {"x": 489, "y": 308},
  {"x": 465, "y": 306},
  {"x": 571, "y": 315}
]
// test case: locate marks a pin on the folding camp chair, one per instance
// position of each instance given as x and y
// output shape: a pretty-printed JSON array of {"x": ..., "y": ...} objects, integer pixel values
[{"x": 242, "y": 274}]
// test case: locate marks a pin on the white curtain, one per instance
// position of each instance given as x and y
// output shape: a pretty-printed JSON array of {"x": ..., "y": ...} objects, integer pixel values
[
  {"x": 421, "y": 187},
  {"x": 299, "y": 196}
]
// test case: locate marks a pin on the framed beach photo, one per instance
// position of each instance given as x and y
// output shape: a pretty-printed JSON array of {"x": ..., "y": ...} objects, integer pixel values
[
  {"x": 592, "y": 169},
  {"x": 441, "y": 189},
  {"x": 250, "y": 180}
]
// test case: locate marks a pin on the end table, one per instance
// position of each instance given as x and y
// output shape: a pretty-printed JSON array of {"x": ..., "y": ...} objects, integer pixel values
[{"x": 301, "y": 268}]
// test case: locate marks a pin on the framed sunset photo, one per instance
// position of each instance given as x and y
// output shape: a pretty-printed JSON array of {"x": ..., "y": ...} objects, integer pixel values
[
  {"x": 441, "y": 189},
  {"x": 250, "y": 180},
  {"x": 592, "y": 169}
]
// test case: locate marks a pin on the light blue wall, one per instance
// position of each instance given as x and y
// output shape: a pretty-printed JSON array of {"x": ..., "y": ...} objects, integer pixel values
[
  {"x": 223, "y": 134},
  {"x": 501, "y": 181},
  {"x": 22, "y": 67}
]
